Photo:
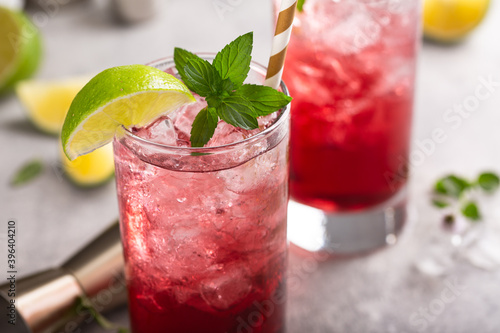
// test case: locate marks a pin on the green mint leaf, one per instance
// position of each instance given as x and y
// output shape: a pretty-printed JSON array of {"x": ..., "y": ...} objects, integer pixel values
[
  {"x": 471, "y": 211},
  {"x": 300, "y": 5},
  {"x": 233, "y": 61},
  {"x": 440, "y": 203},
  {"x": 86, "y": 304},
  {"x": 203, "y": 127},
  {"x": 221, "y": 83},
  {"x": 265, "y": 100},
  {"x": 237, "y": 111},
  {"x": 202, "y": 78},
  {"x": 27, "y": 172},
  {"x": 181, "y": 58},
  {"x": 488, "y": 181},
  {"x": 451, "y": 185}
]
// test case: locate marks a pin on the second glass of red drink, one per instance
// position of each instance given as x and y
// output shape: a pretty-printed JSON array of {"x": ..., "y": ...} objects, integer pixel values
[{"x": 350, "y": 68}]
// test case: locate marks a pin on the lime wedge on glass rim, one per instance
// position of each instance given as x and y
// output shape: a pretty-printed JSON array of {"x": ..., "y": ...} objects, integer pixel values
[{"x": 127, "y": 96}]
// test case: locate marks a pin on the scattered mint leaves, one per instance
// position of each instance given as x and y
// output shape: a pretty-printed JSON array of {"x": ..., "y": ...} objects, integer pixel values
[
  {"x": 470, "y": 211},
  {"x": 300, "y": 5},
  {"x": 454, "y": 193},
  {"x": 488, "y": 181},
  {"x": 27, "y": 172},
  {"x": 222, "y": 84}
]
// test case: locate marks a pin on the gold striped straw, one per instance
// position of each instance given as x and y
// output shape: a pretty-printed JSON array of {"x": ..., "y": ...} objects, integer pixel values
[{"x": 280, "y": 43}]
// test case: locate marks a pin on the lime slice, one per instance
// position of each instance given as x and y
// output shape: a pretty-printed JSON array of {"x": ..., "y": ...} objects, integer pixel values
[
  {"x": 20, "y": 48},
  {"x": 47, "y": 102},
  {"x": 451, "y": 20},
  {"x": 133, "y": 95},
  {"x": 91, "y": 170}
]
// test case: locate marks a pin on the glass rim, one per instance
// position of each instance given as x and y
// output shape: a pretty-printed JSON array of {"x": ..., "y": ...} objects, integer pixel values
[{"x": 282, "y": 118}]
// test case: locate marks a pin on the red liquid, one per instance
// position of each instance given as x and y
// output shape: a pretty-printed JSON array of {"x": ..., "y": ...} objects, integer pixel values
[
  {"x": 211, "y": 261},
  {"x": 351, "y": 116},
  {"x": 262, "y": 311}
]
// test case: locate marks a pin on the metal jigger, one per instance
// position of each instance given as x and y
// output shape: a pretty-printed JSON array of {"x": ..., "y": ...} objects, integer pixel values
[
  {"x": 132, "y": 11},
  {"x": 48, "y": 302}
]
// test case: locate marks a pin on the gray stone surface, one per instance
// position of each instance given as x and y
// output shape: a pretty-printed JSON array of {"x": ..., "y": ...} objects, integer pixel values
[{"x": 382, "y": 292}]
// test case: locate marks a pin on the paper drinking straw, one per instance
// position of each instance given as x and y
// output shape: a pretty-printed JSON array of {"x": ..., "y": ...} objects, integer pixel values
[{"x": 280, "y": 43}]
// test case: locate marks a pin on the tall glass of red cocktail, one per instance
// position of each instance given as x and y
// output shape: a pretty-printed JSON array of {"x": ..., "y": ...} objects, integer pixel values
[
  {"x": 351, "y": 70},
  {"x": 204, "y": 229}
]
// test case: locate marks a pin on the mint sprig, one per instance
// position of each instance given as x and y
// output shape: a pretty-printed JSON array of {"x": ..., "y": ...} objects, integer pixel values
[{"x": 222, "y": 84}]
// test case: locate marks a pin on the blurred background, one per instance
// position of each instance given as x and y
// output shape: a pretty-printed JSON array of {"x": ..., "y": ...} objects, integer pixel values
[{"x": 56, "y": 213}]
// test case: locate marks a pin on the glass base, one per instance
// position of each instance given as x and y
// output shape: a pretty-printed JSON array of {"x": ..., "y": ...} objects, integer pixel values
[{"x": 347, "y": 233}]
